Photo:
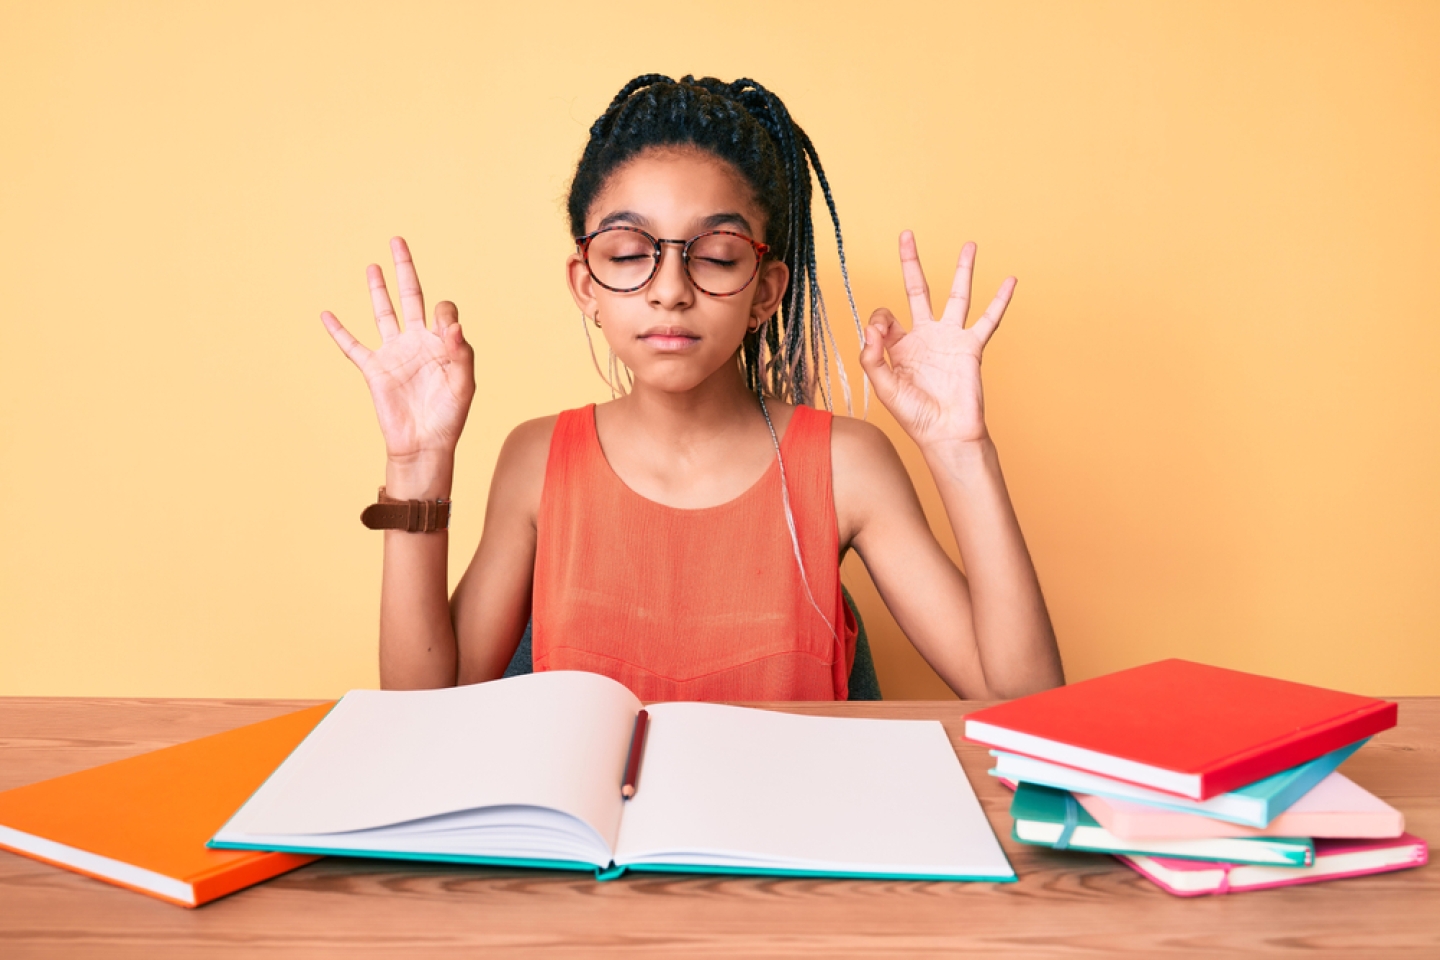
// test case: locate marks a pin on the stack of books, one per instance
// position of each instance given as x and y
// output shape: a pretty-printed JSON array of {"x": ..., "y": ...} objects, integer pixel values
[{"x": 1203, "y": 779}]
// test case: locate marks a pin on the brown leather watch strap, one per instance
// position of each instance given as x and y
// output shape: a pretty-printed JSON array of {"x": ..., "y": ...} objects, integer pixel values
[{"x": 412, "y": 516}]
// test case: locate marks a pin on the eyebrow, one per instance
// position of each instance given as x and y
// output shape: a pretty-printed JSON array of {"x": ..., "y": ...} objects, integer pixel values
[
  {"x": 717, "y": 220},
  {"x": 713, "y": 222}
]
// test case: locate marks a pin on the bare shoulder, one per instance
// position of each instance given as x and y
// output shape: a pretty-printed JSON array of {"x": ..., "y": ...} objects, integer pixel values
[
  {"x": 867, "y": 475},
  {"x": 861, "y": 450},
  {"x": 531, "y": 439},
  {"x": 520, "y": 468}
]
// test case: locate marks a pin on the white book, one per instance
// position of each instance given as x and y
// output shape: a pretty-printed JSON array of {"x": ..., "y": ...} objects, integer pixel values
[{"x": 528, "y": 771}]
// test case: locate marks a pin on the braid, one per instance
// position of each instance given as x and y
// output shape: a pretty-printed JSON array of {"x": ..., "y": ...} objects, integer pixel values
[{"x": 749, "y": 127}]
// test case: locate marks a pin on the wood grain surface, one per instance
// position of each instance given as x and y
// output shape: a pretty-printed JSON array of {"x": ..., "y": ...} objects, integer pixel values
[{"x": 1065, "y": 904}]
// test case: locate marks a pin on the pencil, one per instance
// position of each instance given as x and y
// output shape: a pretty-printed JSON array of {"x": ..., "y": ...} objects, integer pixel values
[{"x": 632, "y": 763}]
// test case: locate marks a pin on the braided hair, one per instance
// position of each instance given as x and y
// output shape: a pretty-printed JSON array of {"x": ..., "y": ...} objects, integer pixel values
[{"x": 747, "y": 126}]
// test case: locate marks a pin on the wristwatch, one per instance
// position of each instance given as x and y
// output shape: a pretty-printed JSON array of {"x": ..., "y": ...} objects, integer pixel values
[{"x": 412, "y": 516}]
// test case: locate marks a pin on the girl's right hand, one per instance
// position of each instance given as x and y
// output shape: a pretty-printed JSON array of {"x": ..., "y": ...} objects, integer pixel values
[{"x": 421, "y": 380}]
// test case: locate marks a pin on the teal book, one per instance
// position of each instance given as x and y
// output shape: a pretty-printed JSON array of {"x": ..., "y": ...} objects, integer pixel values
[
  {"x": 528, "y": 771},
  {"x": 1054, "y": 818},
  {"x": 1254, "y": 805}
]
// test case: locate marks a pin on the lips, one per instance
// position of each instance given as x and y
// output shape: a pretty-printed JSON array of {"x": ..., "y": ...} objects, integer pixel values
[
  {"x": 669, "y": 339},
  {"x": 668, "y": 333}
]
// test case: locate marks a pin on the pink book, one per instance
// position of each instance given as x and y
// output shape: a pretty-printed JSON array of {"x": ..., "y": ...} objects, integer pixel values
[
  {"x": 1334, "y": 859},
  {"x": 1336, "y": 807}
]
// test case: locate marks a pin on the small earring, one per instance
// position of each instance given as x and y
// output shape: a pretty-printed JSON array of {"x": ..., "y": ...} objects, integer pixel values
[{"x": 596, "y": 319}]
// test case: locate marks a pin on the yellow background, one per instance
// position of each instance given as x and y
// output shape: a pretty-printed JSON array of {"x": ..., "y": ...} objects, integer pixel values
[{"x": 1216, "y": 395}]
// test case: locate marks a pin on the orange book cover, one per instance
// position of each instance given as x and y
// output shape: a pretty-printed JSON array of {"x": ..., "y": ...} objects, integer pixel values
[{"x": 142, "y": 822}]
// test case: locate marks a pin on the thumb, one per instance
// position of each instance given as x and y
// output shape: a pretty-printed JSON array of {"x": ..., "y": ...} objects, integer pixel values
[
  {"x": 446, "y": 315},
  {"x": 872, "y": 360},
  {"x": 459, "y": 353},
  {"x": 456, "y": 349}
]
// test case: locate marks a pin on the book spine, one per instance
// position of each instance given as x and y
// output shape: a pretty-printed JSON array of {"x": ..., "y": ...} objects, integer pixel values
[{"x": 226, "y": 881}]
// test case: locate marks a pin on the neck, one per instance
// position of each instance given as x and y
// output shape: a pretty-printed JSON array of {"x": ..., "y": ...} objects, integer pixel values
[{"x": 719, "y": 405}]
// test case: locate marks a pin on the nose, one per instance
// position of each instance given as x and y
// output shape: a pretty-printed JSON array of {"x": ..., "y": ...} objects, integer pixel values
[{"x": 671, "y": 287}]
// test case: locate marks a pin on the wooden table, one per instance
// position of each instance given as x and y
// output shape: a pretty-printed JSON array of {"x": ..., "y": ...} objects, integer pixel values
[{"x": 1065, "y": 904}]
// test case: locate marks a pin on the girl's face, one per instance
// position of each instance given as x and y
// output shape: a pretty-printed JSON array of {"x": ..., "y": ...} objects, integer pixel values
[{"x": 670, "y": 334}]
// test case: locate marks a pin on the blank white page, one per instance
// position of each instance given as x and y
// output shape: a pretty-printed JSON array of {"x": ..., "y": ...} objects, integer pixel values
[
  {"x": 731, "y": 786},
  {"x": 555, "y": 739}
]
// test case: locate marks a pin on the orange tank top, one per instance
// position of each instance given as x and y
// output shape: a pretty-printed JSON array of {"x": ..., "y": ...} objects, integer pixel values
[{"x": 703, "y": 604}]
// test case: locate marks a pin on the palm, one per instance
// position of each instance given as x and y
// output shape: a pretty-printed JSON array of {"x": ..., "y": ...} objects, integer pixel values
[
  {"x": 937, "y": 383},
  {"x": 421, "y": 380},
  {"x": 931, "y": 384},
  {"x": 420, "y": 394}
]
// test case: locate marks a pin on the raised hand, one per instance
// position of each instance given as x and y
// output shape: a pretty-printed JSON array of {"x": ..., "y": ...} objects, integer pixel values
[
  {"x": 931, "y": 384},
  {"x": 421, "y": 380}
]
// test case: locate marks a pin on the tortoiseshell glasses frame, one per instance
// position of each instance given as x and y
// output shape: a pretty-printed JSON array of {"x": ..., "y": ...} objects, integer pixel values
[{"x": 583, "y": 244}]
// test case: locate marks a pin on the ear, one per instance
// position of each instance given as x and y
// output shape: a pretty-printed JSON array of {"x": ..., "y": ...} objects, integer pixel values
[
  {"x": 582, "y": 285},
  {"x": 769, "y": 288}
]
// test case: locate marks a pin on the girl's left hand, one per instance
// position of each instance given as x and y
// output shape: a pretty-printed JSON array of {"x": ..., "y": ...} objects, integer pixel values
[{"x": 931, "y": 384}]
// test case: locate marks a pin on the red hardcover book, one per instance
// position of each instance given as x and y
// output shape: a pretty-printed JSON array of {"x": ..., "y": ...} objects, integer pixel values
[{"x": 1185, "y": 728}]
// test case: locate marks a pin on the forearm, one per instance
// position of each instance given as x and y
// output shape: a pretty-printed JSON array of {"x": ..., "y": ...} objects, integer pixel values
[
  {"x": 1013, "y": 633},
  {"x": 417, "y": 638}
]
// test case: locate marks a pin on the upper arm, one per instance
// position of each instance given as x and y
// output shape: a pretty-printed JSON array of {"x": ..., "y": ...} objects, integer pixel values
[
  {"x": 880, "y": 517},
  {"x": 491, "y": 604}
]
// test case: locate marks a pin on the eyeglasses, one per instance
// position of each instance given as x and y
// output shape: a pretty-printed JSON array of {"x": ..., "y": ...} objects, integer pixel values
[{"x": 720, "y": 263}]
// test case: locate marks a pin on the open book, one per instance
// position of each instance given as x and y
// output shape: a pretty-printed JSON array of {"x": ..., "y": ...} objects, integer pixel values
[{"x": 527, "y": 771}]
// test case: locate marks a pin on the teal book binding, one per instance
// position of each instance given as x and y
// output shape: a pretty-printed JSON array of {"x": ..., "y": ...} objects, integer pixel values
[
  {"x": 528, "y": 771},
  {"x": 613, "y": 870},
  {"x": 1054, "y": 818},
  {"x": 1254, "y": 805}
]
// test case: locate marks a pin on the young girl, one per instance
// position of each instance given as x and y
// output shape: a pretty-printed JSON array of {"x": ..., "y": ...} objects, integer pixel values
[{"x": 685, "y": 538}]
